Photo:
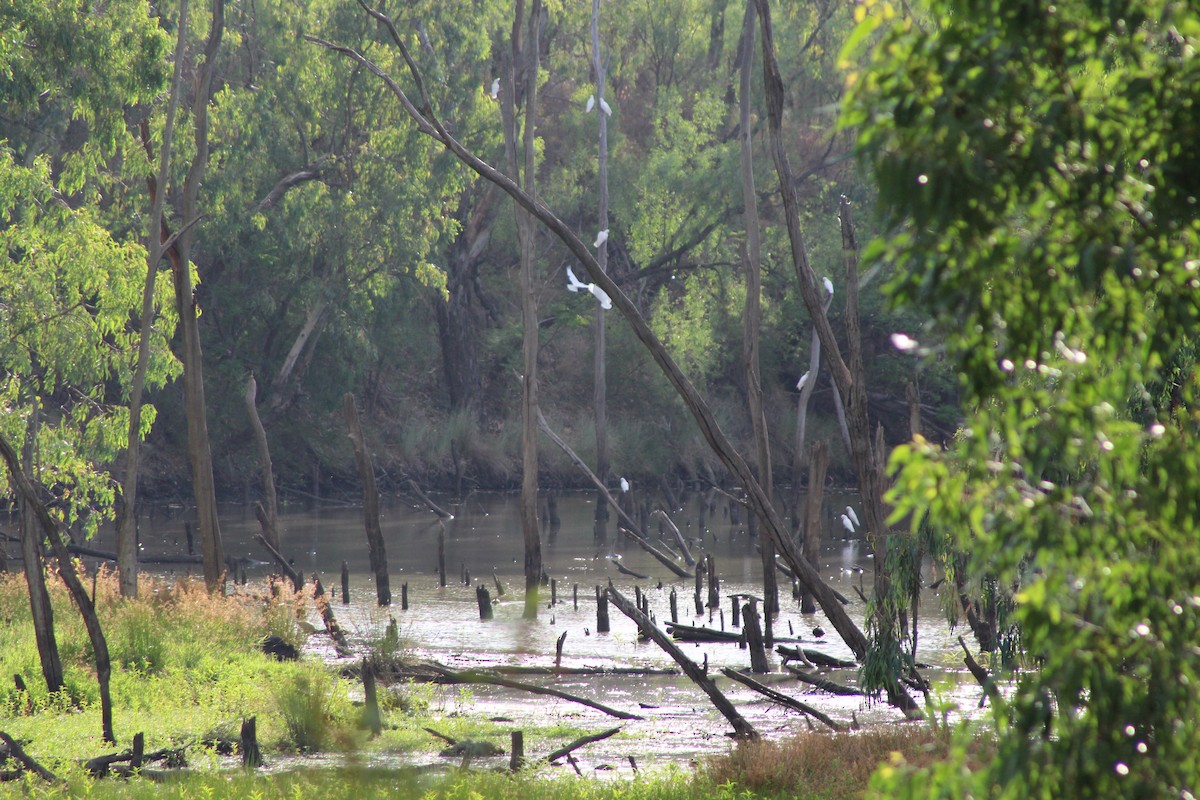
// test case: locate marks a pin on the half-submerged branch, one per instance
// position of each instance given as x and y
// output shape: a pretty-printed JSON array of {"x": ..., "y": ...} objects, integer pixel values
[{"x": 742, "y": 729}]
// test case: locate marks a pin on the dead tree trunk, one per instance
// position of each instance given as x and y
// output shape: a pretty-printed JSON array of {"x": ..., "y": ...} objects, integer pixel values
[
  {"x": 818, "y": 463},
  {"x": 271, "y": 507},
  {"x": 599, "y": 368},
  {"x": 752, "y": 315},
  {"x": 376, "y": 553}
]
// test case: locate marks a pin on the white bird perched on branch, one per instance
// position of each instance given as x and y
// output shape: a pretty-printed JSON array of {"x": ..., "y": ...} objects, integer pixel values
[
  {"x": 800, "y": 383},
  {"x": 601, "y": 238},
  {"x": 847, "y": 524},
  {"x": 591, "y": 103},
  {"x": 829, "y": 286},
  {"x": 576, "y": 285},
  {"x": 624, "y": 485},
  {"x": 853, "y": 516},
  {"x": 605, "y": 107},
  {"x": 495, "y": 89}
]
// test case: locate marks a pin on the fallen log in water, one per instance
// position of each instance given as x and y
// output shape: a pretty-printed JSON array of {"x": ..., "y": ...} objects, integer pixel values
[
  {"x": 780, "y": 697},
  {"x": 621, "y": 568},
  {"x": 692, "y": 633},
  {"x": 580, "y": 742},
  {"x": 478, "y": 677},
  {"x": 821, "y": 683},
  {"x": 816, "y": 657},
  {"x": 741, "y": 727},
  {"x": 91, "y": 552}
]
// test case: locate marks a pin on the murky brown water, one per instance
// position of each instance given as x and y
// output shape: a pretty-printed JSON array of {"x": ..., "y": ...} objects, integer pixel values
[{"x": 443, "y": 623}]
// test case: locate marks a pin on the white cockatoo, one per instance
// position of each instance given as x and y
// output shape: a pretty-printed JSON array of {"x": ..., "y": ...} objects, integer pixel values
[
  {"x": 800, "y": 383},
  {"x": 576, "y": 285},
  {"x": 829, "y": 286},
  {"x": 573, "y": 283},
  {"x": 495, "y": 89},
  {"x": 853, "y": 516},
  {"x": 624, "y": 485},
  {"x": 601, "y": 238},
  {"x": 591, "y": 103},
  {"x": 605, "y": 107},
  {"x": 847, "y": 524}
]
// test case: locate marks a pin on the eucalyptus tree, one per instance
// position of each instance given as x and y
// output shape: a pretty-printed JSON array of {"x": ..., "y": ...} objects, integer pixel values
[
  {"x": 71, "y": 289},
  {"x": 1037, "y": 176}
]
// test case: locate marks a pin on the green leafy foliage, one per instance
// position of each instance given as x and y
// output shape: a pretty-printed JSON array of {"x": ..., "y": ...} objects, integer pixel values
[{"x": 1037, "y": 182}]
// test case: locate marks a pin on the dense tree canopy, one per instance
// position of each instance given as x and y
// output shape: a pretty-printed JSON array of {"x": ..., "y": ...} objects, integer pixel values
[{"x": 1037, "y": 174}]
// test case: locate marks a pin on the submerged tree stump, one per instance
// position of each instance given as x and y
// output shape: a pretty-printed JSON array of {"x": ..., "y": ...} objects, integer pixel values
[
  {"x": 601, "y": 611},
  {"x": 484, "y": 599}
]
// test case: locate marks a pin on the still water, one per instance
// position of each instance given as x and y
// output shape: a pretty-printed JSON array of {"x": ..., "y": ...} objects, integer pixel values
[{"x": 484, "y": 539}]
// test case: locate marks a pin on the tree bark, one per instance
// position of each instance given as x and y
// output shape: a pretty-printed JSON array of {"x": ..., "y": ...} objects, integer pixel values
[
  {"x": 35, "y": 575},
  {"x": 818, "y": 463},
  {"x": 524, "y": 62},
  {"x": 752, "y": 315},
  {"x": 376, "y": 552},
  {"x": 199, "y": 449},
  {"x": 599, "y": 370},
  {"x": 271, "y": 527}
]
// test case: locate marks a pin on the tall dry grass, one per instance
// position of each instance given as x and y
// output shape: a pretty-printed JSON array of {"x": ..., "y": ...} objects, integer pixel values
[{"x": 837, "y": 766}]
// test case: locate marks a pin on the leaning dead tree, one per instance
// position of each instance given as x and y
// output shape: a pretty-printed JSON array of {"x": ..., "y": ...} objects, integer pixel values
[
  {"x": 429, "y": 124},
  {"x": 850, "y": 378}
]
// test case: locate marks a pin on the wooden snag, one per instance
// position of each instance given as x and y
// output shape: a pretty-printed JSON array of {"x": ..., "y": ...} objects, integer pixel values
[
  {"x": 516, "y": 758},
  {"x": 376, "y": 552},
  {"x": 251, "y": 755},
  {"x": 15, "y": 752},
  {"x": 754, "y": 638},
  {"x": 484, "y": 599},
  {"x": 602, "y": 625},
  {"x": 781, "y": 698},
  {"x": 372, "y": 719}
]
